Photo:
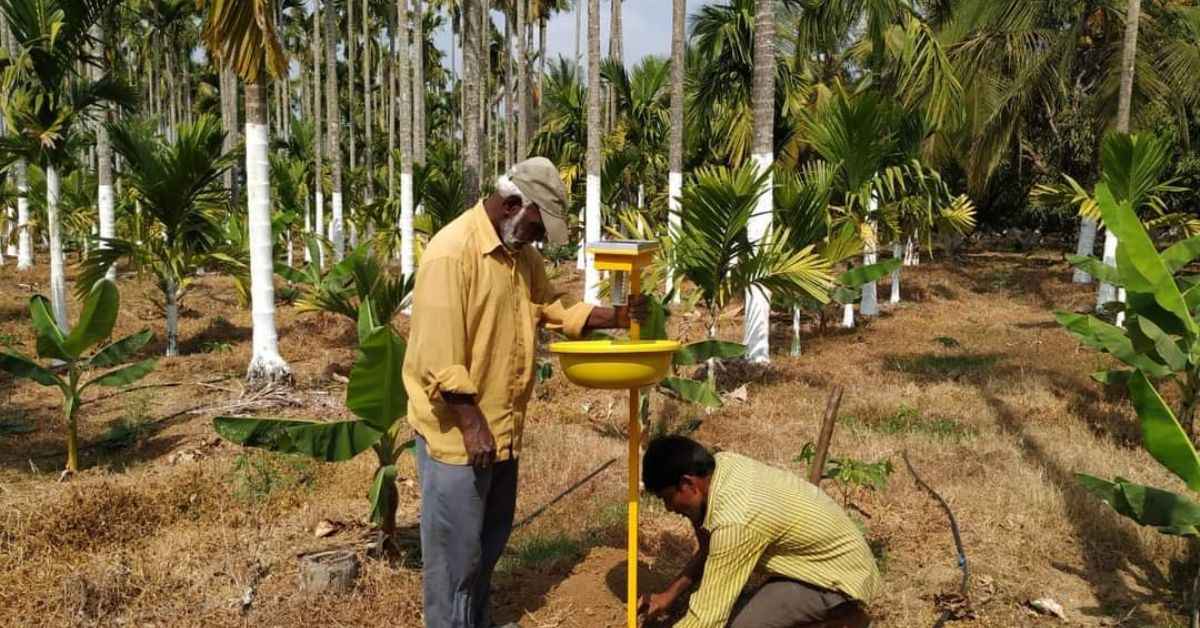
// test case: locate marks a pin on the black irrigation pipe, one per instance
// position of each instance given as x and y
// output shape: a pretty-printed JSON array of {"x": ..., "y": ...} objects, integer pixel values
[
  {"x": 568, "y": 491},
  {"x": 962, "y": 554}
]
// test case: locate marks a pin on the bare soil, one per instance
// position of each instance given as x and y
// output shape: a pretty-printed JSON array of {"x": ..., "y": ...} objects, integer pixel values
[{"x": 970, "y": 375}]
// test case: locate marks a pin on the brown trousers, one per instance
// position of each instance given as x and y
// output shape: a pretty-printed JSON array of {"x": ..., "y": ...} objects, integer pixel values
[{"x": 781, "y": 603}]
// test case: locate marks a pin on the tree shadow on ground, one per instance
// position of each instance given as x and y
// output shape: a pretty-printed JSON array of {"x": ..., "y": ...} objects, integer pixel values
[
  {"x": 983, "y": 370},
  {"x": 1109, "y": 549},
  {"x": 220, "y": 332}
]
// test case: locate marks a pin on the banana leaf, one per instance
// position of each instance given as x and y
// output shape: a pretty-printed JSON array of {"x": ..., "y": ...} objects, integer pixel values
[
  {"x": 693, "y": 391},
  {"x": 383, "y": 494},
  {"x": 1100, "y": 335},
  {"x": 1181, "y": 253},
  {"x": 121, "y": 350},
  {"x": 862, "y": 275},
  {"x": 1162, "y": 435},
  {"x": 1097, "y": 269},
  {"x": 1170, "y": 512},
  {"x": 96, "y": 320},
  {"x": 376, "y": 392},
  {"x": 50, "y": 341},
  {"x": 124, "y": 376},
  {"x": 1145, "y": 266},
  {"x": 330, "y": 442},
  {"x": 698, "y": 352},
  {"x": 18, "y": 365}
]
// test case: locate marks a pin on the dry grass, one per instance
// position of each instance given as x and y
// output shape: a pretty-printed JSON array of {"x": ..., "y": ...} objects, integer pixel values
[{"x": 970, "y": 376}]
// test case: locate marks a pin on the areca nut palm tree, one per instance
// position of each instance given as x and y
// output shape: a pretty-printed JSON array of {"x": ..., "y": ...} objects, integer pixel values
[
  {"x": 48, "y": 99},
  {"x": 757, "y": 331},
  {"x": 333, "y": 135},
  {"x": 592, "y": 221},
  {"x": 406, "y": 143},
  {"x": 675, "y": 158},
  {"x": 24, "y": 238},
  {"x": 714, "y": 251},
  {"x": 242, "y": 33},
  {"x": 179, "y": 185},
  {"x": 104, "y": 165}
]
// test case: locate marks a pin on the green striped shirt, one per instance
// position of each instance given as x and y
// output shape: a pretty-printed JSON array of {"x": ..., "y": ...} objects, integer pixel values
[{"x": 760, "y": 516}]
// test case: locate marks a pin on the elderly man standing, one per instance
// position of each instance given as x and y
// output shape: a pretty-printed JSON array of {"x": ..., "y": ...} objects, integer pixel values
[{"x": 481, "y": 292}]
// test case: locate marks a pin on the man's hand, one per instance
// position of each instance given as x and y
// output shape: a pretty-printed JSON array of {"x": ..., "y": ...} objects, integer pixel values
[
  {"x": 655, "y": 605},
  {"x": 477, "y": 436},
  {"x": 637, "y": 309},
  {"x": 481, "y": 446}
]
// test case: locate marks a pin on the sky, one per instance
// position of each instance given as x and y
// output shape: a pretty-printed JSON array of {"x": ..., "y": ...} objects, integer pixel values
[{"x": 646, "y": 26}]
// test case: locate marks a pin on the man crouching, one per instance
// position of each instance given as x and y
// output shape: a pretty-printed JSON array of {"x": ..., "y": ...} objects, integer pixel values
[{"x": 748, "y": 515}]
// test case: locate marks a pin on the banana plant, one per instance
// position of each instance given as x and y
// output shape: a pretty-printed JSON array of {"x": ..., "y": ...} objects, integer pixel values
[
  {"x": 1159, "y": 337},
  {"x": 68, "y": 359},
  {"x": 374, "y": 394},
  {"x": 1161, "y": 342}
]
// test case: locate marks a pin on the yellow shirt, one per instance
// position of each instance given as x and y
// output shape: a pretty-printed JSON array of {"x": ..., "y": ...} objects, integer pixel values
[
  {"x": 475, "y": 311},
  {"x": 762, "y": 516}
]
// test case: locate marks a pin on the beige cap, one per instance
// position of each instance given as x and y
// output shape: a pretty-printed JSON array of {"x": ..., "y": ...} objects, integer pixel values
[{"x": 538, "y": 180}]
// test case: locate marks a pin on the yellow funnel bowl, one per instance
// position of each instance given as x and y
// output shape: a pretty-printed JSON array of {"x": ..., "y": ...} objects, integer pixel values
[{"x": 615, "y": 364}]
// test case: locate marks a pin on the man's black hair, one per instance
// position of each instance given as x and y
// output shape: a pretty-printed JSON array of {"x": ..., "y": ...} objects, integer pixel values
[{"x": 669, "y": 458}]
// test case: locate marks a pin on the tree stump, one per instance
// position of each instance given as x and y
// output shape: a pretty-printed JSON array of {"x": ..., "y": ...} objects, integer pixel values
[{"x": 328, "y": 572}]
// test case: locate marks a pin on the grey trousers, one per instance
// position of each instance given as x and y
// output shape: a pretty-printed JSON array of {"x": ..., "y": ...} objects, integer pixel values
[
  {"x": 782, "y": 603},
  {"x": 466, "y": 517}
]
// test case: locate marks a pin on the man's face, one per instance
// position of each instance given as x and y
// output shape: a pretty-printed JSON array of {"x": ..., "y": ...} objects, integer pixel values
[
  {"x": 686, "y": 498},
  {"x": 523, "y": 224}
]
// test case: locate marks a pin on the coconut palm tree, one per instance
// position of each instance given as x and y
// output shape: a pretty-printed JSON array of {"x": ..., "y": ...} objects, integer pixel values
[
  {"x": 1108, "y": 292},
  {"x": 179, "y": 185},
  {"x": 50, "y": 99},
  {"x": 592, "y": 221},
  {"x": 242, "y": 33}
]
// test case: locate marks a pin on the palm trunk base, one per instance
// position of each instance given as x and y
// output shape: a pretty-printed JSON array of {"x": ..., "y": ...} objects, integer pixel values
[{"x": 268, "y": 371}]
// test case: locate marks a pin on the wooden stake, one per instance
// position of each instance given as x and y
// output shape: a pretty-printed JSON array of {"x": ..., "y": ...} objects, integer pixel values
[{"x": 817, "y": 468}]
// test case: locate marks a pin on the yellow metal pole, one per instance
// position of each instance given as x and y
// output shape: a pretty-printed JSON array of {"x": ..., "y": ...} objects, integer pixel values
[{"x": 635, "y": 448}]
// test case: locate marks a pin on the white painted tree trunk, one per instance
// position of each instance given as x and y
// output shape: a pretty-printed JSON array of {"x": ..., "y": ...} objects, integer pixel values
[
  {"x": 320, "y": 223},
  {"x": 336, "y": 228},
  {"x": 581, "y": 255},
  {"x": 24, "y": 238},
  {"x": 898, "y": 253},
  {"x": 756, "y": 335},
  {"x": 848, "y": 316},
  {"x": 266, "y": 365},
  {"x": 11, "y": 246},
  {"x": 592, "y": 234},
  {"x": 641, "y": 196},
  {"x": 107, "y": 222},
  {"x": 307, "y": 228},
  {"x": 290, "y": 256},
  {"x": 58, "y": 277},
  {"x": 1107, "y": 292},
  {"x": 675, "y": 217},
  {"x": 869, "y": 306},
  {"x": 172, "y": 302},
  {"x": 912, "y": 251},
  {"x": 1087, "y": 244},
  {"x": 406, "y": 224},
  {"x": 795, "y": 331}
]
